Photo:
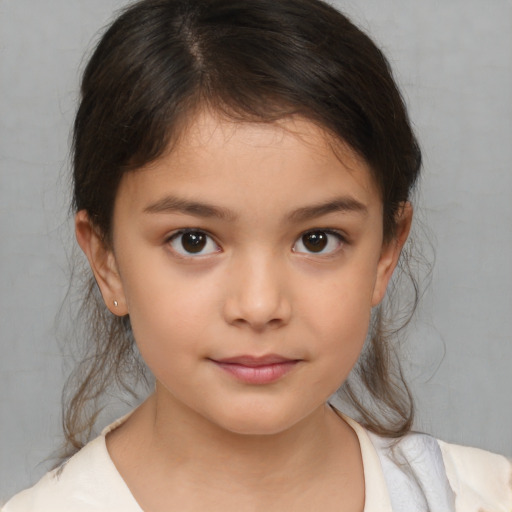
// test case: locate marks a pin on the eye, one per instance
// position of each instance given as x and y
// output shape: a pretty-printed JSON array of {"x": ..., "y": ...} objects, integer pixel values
[
  {"x": 319, "y": 242},
  {"x": 193, "y": 243}
]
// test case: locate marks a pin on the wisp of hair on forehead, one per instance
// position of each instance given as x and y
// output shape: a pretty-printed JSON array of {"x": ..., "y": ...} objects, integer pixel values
[{"x": 160, "y": 63}]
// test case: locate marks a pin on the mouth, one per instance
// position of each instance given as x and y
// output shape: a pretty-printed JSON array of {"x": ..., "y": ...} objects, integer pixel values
[{"x": 256, "y": 370}]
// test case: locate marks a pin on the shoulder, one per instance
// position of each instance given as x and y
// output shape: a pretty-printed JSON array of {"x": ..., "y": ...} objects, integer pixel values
[
  {"x": 88, "y": 482},
  {"x": 414, "y": 471},
  {"x": 445, "y": 476},
  {"x": 481, "y": 481}
]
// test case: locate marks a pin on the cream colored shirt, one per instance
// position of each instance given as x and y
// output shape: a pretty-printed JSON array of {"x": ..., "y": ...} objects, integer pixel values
[{"x": 414, "y": 474}]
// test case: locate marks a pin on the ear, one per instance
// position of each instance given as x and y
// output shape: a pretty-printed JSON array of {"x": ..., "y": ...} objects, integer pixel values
[
  {"x": 391, "y": 252},
  {"x": 103, "y": 263}
]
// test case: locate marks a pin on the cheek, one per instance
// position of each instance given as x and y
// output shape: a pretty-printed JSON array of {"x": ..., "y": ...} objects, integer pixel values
[
  {"x": 340, "y": 315},
  {"x": 345, "y": 326},
  {"x": 344, "y": 302},
  {"x": 341, "y": 332},
  {"x": 168, "y": 314}
]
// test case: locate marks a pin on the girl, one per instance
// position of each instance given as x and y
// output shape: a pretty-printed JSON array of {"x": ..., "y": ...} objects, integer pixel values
[{"x": 242, "y": 181}]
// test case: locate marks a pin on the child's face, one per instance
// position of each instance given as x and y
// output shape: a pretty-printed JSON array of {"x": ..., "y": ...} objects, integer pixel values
[{"x": 284, "y": 259}]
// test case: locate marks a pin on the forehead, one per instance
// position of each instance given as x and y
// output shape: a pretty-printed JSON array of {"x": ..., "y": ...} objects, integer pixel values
[
  {"x": 212, "y": 132},
  {"x": 248, "y": 164}
]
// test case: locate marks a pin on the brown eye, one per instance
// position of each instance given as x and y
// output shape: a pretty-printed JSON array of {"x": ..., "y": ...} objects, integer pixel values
[
  {"x": 190, "y": 243},
  {"x": 315, "y": 241},
  {"x": 193, "y": 242},
  {"x": 319, "y": 242}
]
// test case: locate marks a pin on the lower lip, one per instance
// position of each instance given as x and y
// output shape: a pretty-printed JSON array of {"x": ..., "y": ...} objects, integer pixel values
[{"x": 264, "y": 374}]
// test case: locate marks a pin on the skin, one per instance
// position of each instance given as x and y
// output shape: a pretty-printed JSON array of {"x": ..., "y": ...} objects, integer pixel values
[{"x": 255, "y": 289}]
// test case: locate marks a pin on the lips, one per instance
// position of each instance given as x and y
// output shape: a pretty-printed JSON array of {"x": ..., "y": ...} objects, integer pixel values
[{"x": 256, "y": 370}]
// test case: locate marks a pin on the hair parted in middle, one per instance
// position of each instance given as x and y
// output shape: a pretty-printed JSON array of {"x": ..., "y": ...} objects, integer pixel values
[{"x": 162, "y": 62}]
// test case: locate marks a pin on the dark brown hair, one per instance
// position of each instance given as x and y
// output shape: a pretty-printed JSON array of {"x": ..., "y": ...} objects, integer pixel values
[{"x": 249, "y": 60}]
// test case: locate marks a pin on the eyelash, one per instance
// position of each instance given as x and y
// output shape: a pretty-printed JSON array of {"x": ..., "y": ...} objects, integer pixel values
[
  {"x": 341, "y": 240},
  {"x": 175, "y": 236},
  {"x": 209, "y": 239}
]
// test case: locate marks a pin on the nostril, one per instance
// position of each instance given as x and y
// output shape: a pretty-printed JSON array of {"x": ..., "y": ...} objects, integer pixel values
[
  {"x": 276, "y": 322},
  {"x": 261, "y": 316},
  {"x": 257, "y": 297},
  {"x": 273, "y": 323}
]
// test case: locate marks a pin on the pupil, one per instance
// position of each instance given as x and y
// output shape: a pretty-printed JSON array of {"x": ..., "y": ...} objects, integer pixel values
[
  {"x": 193, "y": 242},
  {"x": 315, "y": 242}
]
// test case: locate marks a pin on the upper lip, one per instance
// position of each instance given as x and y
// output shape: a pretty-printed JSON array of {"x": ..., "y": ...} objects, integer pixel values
[{"x": 248, "y": 360}]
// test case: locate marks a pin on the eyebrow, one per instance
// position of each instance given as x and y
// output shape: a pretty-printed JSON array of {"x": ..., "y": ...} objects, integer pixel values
[
  {"x": 170, "y": 204},
  {"x": 346, "y": 204}
]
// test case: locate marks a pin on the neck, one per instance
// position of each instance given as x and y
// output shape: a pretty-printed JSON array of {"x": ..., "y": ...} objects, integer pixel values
[
  {"x": 178, "y": 439},
  {"x": 250, "y": 459},
  {"x": 314, "y": 464}
]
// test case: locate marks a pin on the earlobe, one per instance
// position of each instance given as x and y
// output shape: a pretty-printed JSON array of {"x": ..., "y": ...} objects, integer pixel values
[
  {"x": 103, "y": 263},
  {"x": 391, "y": 252}
]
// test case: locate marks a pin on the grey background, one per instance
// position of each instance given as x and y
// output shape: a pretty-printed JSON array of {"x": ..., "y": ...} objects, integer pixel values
[{"x": 453, "y": 59}]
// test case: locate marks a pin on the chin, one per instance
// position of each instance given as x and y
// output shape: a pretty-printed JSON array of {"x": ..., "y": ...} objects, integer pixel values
[{"x": 258, "y": 421}]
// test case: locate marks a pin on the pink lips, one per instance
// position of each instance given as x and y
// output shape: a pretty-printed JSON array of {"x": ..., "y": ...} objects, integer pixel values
[{"x": 257, "y": 370}]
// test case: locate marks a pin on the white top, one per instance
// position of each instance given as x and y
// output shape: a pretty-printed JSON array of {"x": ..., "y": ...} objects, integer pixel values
[{"x": 416, "y": 473}]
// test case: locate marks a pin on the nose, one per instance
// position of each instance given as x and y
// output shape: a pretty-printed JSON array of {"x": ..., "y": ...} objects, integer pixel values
[{"x": 257, "y": 296}]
